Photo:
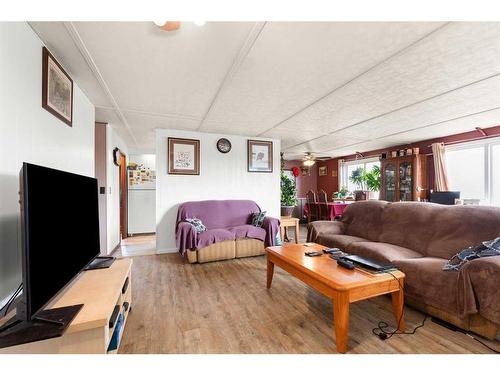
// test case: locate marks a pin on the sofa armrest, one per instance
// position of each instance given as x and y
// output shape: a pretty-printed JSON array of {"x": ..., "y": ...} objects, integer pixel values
[
  {"x": 271, "y": 226},
  {"x": 479, "y": 280},
  {"x": 185, "y": 237},
  {"x": 316, "y": 228}
]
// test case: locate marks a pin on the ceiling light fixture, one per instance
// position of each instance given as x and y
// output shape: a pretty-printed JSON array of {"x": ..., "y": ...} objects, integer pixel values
[
  {"x": 199, "y": 23},
  {"x": 308, "y": 163}
]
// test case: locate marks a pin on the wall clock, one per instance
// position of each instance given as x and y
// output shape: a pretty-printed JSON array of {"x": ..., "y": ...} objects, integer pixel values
[{"x": 223, "y": 145}]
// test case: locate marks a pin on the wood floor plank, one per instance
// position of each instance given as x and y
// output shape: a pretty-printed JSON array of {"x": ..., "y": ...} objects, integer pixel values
[{"x": 224, "y": 307}]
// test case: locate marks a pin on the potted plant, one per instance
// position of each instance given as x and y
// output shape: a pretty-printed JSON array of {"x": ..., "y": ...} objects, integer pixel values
[
  {"x": 366, "y": 182},
  {"x": 342, "y": 193},
  {"x": 288, "y": 195},
  {"x": 372, "y": 179},
  {"x": 357, "y": 177}
]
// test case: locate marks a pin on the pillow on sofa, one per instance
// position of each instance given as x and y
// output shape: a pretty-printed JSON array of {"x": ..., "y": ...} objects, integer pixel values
[
  {"x": 258, "y": 218},
  {"x": 486, "y": 249},
  {"x": 197, "y": 224}
]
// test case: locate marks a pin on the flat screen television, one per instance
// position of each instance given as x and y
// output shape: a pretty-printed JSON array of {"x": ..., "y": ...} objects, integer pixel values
[{"x": 60, "y": 232}]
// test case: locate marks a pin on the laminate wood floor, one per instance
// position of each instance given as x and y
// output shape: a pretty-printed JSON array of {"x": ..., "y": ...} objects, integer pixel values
[{"x": 224, "y": 307}]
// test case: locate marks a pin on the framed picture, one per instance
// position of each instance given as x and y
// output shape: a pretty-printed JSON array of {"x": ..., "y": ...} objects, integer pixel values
[
  {"x": 183, "y": 156},
  {"x": 322, "y": 171},
  {"x": 57, "y": 89},
  {"x": 260, "y": 156}
]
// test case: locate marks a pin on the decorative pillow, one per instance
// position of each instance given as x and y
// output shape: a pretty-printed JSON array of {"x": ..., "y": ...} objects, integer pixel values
[
  {"x": 258, "y": 218},
  {"x": 486, "y": 249},
  {"x": 197, "y": 224}
]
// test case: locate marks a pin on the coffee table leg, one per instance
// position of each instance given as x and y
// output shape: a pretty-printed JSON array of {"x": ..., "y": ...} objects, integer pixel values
[
  {"x": 397, "y": 306},
  {"x": 297, "y": 230},
  {"x": 270, "y": 273},
  {"x": 341, "y": 320}
]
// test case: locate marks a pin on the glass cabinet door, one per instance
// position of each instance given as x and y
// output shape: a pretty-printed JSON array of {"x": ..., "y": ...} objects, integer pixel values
[
  {"x": 389, "y": 182},
  {"x": 405, "y": 181}
]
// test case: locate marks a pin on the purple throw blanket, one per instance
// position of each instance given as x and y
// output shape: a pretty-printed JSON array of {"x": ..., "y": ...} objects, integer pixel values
[{"x": 225, "y": 220}]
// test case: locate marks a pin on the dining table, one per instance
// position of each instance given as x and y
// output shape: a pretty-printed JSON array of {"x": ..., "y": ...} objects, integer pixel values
[{"x": 334, "y": 209}]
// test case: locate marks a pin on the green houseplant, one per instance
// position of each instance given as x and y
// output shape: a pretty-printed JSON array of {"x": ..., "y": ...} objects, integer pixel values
[
  {"x": 365, "y": 182},
  {"x": 372, "y": 179},
  {"x": 288, "y": 195}
]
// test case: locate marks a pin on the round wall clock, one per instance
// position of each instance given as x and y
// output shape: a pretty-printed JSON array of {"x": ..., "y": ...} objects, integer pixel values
[{"x": 223, "y": 145}]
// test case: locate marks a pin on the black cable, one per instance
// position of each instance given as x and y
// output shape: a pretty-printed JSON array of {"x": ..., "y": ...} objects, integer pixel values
[
  {"x": 384, "y": 335},
  {"x": 11, "y": 299},
  {"x": 382, "y": 325},
  {"x": 482, "y": 343}
]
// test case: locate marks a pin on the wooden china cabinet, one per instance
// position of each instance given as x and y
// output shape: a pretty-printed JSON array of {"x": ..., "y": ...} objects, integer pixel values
[{"x": 404, "y": 178}]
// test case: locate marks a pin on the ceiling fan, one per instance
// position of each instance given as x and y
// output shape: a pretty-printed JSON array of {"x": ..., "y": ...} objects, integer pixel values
[
  {"x": 174, "y": 25},
  {"x": 310, "y": 159}
]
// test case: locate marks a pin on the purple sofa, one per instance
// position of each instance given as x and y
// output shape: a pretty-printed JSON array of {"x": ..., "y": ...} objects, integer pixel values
[{"x": 229, "y": 231}]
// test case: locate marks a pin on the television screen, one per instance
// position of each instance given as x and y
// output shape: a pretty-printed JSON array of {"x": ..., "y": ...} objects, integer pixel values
[{"x": 60, "y": 224}]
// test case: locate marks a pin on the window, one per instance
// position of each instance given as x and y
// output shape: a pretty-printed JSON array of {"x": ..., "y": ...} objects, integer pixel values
[
  {"x": 473, "y": 169},
  {"x": 348, "y": 167}
]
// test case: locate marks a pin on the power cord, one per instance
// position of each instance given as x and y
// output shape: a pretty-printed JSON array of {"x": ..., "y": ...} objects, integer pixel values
[
  {"x": 481, "y": 342},
  {"x": 384, "y": 335},
  {"x": 11, "y": 299},
  {"x": 380, "y": 330}
]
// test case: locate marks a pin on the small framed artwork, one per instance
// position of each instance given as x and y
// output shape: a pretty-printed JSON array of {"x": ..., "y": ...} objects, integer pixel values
[
  {"x": 57, "y": 89},
  {"x": 260, "y": 156},
  {"x": 322, "y": 171},
  {"x": 334, "y": 173},
  {"x": 183, "y": 156}
]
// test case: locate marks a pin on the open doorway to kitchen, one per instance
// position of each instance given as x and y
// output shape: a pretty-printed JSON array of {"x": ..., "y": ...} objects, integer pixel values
[{"x": 141, "y": 208}]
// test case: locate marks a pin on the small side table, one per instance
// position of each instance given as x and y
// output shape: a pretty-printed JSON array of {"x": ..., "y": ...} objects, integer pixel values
[{"x": 285, "y": 222}]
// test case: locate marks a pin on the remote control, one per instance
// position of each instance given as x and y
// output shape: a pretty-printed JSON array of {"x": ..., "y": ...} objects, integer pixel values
[
  {"x": 313, "y": 253},
  {"x": 345, "y": 263},
  {"x": 332, "y": 251}
]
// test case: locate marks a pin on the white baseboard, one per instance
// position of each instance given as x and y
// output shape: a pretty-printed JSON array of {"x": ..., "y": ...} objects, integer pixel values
[{"x": 167, "y": 251}]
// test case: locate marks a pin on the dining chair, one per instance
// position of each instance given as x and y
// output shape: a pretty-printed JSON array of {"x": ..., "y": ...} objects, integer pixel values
[
  {"x": 312, "y": 205},
  {"x": 323, "y": 206}
]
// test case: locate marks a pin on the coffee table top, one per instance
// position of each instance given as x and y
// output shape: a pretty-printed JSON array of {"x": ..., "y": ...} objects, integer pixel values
[{"x": 326, "y": 270}]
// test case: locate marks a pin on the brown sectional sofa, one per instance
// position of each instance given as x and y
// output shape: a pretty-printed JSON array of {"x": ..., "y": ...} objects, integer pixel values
[{"x": 419, "y": 238}]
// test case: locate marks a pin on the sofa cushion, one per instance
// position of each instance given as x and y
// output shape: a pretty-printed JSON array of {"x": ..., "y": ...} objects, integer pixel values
[
  {"x": 342, "y": 241},
  {"x": 381, "y": 251},
  {"x": 437, "y": 230},
  {"x": 248, "y": 231},
  {"x": 364, "y": 219},
  {"x": 212, "y": 236},
  {"x": 427, "y": 282}
]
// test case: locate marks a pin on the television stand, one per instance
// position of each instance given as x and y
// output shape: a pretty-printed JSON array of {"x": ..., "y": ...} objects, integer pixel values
[
  {"x": 102, "y": 292},
  {"x": 45, "y": 325},
  {"x": 100, "y": 262}
]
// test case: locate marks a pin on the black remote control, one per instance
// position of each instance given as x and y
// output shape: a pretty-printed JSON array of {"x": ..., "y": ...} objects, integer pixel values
[
  {"x": 345, "y": 263},
  {"x": 332, "y": 251},
  {"x": 313, "y": 253}
]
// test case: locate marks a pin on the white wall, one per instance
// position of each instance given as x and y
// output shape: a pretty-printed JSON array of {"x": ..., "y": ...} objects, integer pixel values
[
  {"x": 113, "y": 188},
  {"x": 30, "y": 133},
  {"x": 222, "y": 176}
]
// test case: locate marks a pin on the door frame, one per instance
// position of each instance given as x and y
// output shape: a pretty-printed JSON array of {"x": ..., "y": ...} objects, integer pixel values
[{"x": 122, "y": 163}]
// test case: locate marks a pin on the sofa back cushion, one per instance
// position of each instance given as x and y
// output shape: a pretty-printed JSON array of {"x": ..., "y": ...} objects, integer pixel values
[
  {"x": 364, "y": 219},
  {"x": 436, "y": 230},
  {"x": 457, "y": 227},
  {"x": 216, "y": 214}
]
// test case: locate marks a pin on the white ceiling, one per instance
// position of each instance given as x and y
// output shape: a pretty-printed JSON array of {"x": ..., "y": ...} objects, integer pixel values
[{"x": 330, "y": 88}]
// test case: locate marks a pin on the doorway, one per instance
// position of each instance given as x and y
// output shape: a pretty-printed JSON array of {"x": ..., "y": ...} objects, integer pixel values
[{"x": 123, "y": 196}]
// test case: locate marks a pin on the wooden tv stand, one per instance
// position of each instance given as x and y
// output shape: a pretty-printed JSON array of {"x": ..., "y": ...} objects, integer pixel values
[{"x": 99, "y": 291}]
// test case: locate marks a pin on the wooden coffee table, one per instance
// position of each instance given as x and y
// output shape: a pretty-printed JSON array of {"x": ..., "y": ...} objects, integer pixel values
[{"x": 343, "y": 286}]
